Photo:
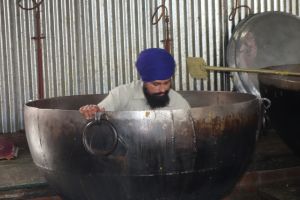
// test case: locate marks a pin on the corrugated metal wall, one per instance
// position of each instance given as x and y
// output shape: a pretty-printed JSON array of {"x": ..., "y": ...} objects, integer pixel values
[{"x": 90, "y": 46}]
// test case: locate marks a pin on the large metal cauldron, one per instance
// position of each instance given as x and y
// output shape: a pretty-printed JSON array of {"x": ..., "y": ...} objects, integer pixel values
[
  {"x": 284, "y": 93},
  {"x": 176, "y": 154},
  {"x": 260, "y": 40}
]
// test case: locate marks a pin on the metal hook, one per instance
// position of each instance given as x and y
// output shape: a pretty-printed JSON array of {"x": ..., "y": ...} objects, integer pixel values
[
  {"x": 234, "y": 9},
  {"x": 35, "y": 3},
  {"x": 164, "y": 14}
]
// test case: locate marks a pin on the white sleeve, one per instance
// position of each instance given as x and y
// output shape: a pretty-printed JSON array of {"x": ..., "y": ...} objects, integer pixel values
[
  {"x": 115, "y": 99},
  {"x": 108, "y": 103}
]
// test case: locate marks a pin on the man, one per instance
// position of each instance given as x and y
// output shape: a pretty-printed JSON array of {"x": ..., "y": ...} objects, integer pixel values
[{"x": 156, "y": 67}]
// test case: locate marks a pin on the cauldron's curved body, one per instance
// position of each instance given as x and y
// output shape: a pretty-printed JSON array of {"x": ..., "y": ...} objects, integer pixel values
[
  {"x": 175, "y": 154},
  {"x": 284, "y": 93}
]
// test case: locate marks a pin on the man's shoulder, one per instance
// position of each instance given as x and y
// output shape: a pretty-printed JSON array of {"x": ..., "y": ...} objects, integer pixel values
[
  {"x": 175, "y": 93},
  {"x": 125, "y": 87},
  {"x": 129, "y": 90},
  {"x": 131, "y": 85},
  {"x": 177, "y": 100}
]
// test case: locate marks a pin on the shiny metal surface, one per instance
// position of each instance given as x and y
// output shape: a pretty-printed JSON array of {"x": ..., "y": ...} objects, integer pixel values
[
  {"x": 159, "y": 154},
  {"x": 282, "y": 82},
  {"x": 284, "y": 93},
  {"x": 261, "y": 40}
]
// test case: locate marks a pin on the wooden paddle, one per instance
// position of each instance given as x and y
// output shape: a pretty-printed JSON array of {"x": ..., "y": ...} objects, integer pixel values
[{"x": 198, "y": 68}]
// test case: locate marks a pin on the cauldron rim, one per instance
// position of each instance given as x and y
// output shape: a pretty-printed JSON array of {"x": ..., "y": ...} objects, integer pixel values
[
  {"x": 244, "y": 98},
  {"x": 281, "y": 81}
]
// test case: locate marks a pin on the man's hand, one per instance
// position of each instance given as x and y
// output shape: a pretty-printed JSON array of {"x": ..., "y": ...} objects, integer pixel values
[{"x": 89, "y": 111}]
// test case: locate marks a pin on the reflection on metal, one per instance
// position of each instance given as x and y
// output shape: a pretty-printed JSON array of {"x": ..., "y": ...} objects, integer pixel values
[
  {"x": 91, "y": 46},
  {"x": 261, "y": 40},
  {"x": 158, "y": 154}
]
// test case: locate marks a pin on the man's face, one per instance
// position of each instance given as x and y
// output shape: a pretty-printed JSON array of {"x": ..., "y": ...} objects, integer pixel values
[{"x": 156, "y": 93}]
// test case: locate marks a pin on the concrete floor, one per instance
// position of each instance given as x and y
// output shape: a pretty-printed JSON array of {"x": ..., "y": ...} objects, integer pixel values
[{"x": 20, "y": 179}]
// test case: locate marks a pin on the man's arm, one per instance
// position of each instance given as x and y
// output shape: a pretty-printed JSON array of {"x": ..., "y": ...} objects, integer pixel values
[{"x": 111, "y": 102}]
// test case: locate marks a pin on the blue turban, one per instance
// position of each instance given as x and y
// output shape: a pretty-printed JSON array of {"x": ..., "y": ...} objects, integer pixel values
[{"x": 155, "y": 64}]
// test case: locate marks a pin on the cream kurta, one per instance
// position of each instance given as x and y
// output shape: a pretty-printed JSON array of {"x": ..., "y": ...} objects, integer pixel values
[{"x": 130, "y": 97}]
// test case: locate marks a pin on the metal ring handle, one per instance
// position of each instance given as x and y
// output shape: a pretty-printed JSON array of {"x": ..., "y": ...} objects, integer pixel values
[
  {"x": 100, "y": 120},
  {"x": 266, "y": 102}
]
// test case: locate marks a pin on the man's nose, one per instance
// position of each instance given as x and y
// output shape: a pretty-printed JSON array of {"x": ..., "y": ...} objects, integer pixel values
[{"x": 162, "y": 88}]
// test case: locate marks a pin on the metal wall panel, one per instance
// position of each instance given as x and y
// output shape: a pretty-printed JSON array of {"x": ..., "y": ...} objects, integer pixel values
[{"x": 90, "y": 46}]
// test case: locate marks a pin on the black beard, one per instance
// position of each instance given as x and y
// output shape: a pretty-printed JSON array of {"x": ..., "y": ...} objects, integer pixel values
[{"x": 156, "y": 100}]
